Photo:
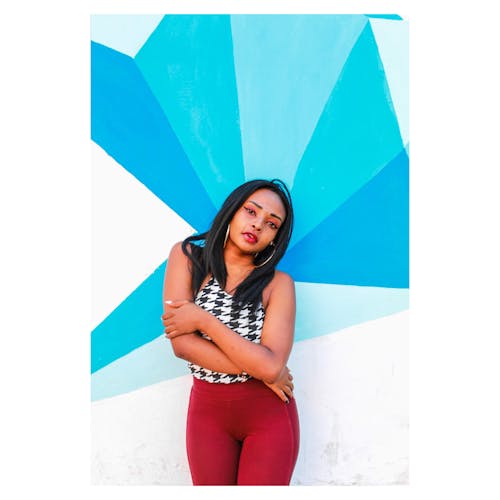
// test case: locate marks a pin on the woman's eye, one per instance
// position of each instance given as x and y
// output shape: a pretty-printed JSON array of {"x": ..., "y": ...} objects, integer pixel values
[
  {"x": 273, "y": 225},
  {"x": 251, "y": 211}
]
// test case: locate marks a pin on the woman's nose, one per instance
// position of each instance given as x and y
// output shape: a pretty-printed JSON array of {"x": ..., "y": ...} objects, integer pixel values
[{"x": 257, "y": 224}]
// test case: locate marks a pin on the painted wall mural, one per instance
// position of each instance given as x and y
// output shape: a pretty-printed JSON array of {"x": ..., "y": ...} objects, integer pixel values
[{"x": 187, "y": 107}]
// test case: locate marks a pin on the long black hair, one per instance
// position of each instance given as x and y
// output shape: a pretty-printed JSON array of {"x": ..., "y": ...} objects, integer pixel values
[{"x": 206, "y": 250}]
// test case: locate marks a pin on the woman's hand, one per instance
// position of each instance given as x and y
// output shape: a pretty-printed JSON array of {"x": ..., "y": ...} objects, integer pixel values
[
  {"x": 283, "y": 386},
  {"x": 181, "y": 317}
]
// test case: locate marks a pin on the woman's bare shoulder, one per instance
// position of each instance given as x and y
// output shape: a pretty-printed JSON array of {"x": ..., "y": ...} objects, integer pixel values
[
  {"x": 177, "y": 249},
  {"x": 282, "y": 279},
  {"x": 282, "y": 283}
]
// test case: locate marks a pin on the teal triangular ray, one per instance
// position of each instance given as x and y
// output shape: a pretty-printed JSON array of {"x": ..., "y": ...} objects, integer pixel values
[
  {"x": 394, "y": 17},
  {"x": 356, "y": 136},
  {"x": 188, "y": 63},
  {"x": 323, "y": 308},
  {"x": 364, "y": 241},
  {"x": 136, "y": 321},
  {"x": 283, "y": 89},
  {"x": 392, "y": 43}
]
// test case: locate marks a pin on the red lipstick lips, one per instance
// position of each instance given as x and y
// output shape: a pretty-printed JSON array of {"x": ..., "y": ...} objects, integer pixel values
[{"x": 250, "y": 237}]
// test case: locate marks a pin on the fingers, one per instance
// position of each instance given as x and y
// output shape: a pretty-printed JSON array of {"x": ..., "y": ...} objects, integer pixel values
[
  {"x": 288, "y": 392},
  {"x": 284, "y": 392},
  {"x": 176, "y": 303},
  {"x": 174, "y": 333},
  {"x": 168, "y": 330},
  {"x": 277, "y": 391},
  {"x": 287, "y": 387},
  {"x": 282, "y": 395},
  {"x": 166, "y": 316},
  {"x": 171, "y": 330}
]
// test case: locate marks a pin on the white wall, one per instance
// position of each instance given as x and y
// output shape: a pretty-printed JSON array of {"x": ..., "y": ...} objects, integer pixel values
[{"x": 351, "y": 388}]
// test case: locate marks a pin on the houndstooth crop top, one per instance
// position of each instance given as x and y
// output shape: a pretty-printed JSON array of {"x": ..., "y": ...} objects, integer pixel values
[{"x": 243, "y": 320}]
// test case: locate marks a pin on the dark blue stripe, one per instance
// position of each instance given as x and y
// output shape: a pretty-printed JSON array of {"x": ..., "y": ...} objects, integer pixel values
[
  {"x": 128, "y": 123},
  {"x": 365, "y": 241}
]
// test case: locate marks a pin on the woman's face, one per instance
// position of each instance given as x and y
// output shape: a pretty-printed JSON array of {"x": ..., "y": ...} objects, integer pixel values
[{"x": 256, "y": 222}]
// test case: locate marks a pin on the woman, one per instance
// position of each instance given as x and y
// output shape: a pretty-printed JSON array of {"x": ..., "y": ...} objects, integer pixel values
[{"x": 231, "y": 315}]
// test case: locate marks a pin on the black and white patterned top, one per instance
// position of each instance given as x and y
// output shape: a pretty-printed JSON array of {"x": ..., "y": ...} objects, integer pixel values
[{"x": 243, "y": 320}]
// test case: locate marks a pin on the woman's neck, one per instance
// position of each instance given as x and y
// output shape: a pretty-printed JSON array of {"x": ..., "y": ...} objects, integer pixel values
[
  {"x": 238, "y": 265},
  {"x": 236, "y": 259}
]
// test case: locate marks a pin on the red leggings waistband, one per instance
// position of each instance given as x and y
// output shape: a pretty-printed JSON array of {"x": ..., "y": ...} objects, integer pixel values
[{"x": 238, "y": 390}]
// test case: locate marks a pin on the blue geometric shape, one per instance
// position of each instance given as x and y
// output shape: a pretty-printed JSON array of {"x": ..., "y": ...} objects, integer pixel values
[
  {"x": 129, "y": 125},
  {"x": 365, "y": 241},
  {"x": 133, "y": 323},
  {"x": 124, "y": 33},
  {"x": 323, "y": 309},
  {"x": 394, "y": 17},
  {"x": 283, "y": 89},
  {"x": 356, "y": 136},
  {"x": 393, "y": 47},
  {"x": 149, "y": 364},
  {"x": 188, "y": 64}
]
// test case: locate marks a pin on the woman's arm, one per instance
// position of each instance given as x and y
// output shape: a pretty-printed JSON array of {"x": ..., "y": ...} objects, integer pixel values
[
  {"x": 265, "y": 361},
  {"x": 191, "y": 347}
]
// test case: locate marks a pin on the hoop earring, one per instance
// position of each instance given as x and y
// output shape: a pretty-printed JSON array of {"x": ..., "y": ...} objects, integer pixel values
[
  {"x": 268, "y": 259},
  {"x": 227, "y": 236}
]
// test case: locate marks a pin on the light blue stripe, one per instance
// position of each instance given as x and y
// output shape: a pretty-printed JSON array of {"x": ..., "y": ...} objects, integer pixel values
[
  {"x": 151, "y": 363},
  {"x": 286, "y": 67},
  {"x": 392, "y": 41},
  {"x": 124, "y": 33},
  {"x": 323, "y": 309}
]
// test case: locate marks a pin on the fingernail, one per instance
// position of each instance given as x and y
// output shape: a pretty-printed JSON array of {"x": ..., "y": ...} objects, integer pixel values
[{"x": 168, "y": 302}]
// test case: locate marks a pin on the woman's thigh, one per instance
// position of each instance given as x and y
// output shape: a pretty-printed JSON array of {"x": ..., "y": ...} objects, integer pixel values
[
  {"x": 270, "y": 449},
  {"x": 213, "y": 454}
]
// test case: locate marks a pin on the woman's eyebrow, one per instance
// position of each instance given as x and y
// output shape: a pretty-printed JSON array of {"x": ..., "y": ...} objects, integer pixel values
[{"x": 258, "y": 206}]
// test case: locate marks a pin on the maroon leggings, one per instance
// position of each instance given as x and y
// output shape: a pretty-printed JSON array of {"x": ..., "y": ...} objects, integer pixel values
[{"x": 241, "y": 434}]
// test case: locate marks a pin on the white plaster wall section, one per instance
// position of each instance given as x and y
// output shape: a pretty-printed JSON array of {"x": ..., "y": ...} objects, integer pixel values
[
  {"x": 132, "y": 233},
  {"x": 352, "y": 393},
  {"x": 138, "y": 438}
]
